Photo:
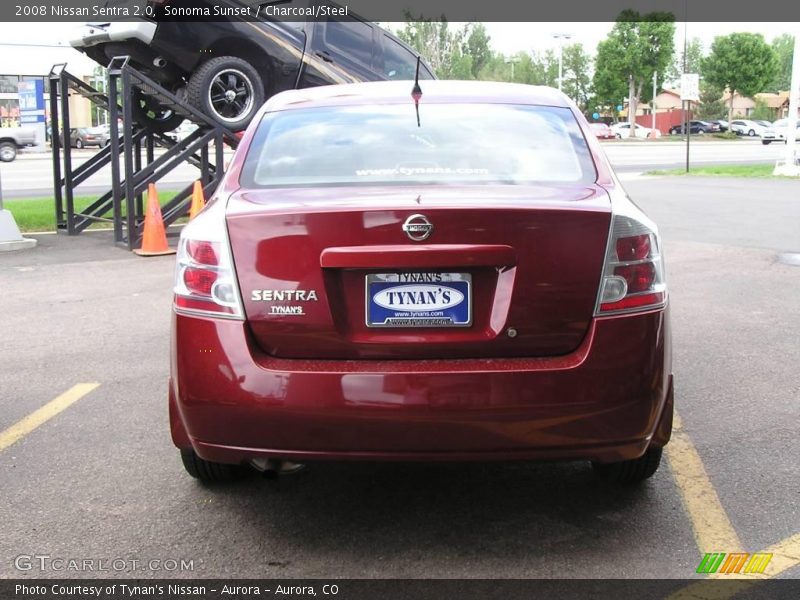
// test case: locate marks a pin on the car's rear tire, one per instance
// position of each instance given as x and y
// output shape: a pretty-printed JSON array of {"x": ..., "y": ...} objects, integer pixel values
[
  {"x": 631, "y": 471},
  {"x": 78, "y": 144},
  {"x": 766, "y": 142},
  {"x": 210, "y": 472},
  {"x": 8, "y": 151},
  {"x": 751, "y": 133},
  {"x": 227, "y": 89},
  {"x": 151, "y": 115}
]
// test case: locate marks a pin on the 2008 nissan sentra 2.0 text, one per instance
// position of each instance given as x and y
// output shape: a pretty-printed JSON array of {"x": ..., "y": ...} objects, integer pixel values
[{"x": 456, "y": 275}]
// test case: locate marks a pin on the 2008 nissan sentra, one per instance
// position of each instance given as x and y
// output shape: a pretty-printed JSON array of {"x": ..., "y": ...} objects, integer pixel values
[{"x": 452, "y": 276}]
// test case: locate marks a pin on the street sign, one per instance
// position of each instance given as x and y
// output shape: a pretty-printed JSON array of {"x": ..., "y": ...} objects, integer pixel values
[
  {"x": 690, "y": 87},
  {"x": 596, "y": 116}
]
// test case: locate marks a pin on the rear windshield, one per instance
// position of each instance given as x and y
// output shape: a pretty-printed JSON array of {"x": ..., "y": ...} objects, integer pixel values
[{"x": 383, "y": 144}]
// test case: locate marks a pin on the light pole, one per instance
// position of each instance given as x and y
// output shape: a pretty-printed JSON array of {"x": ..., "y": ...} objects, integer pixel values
[
  {"x": 512, "y": 60},
  {"x": 560, "y": 37},
  {"x": 789, "y": 164}
]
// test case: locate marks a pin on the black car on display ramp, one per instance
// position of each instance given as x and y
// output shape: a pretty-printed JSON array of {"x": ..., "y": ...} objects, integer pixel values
[{"x": 226, "y": 62}]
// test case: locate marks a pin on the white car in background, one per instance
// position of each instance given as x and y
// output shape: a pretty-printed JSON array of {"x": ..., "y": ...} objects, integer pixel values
[
  {"x": 747, "y": 127},
  {"x": 777, "y": 132},
  {"x": 623, "y": 130}
]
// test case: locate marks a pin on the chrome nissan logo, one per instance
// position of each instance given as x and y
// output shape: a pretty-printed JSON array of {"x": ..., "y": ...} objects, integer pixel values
[{"x": 418, "y": 228}]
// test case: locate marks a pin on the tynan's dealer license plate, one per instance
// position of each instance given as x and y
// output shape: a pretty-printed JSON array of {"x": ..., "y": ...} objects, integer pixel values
[{"x": 419, "y": 300}]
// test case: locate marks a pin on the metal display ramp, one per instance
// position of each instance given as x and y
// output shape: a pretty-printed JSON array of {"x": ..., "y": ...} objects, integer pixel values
[{"x": 131, "y": 152}]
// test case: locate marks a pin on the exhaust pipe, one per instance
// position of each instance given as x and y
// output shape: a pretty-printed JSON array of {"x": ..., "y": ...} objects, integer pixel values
[
  {"x": 272, "y": 468},
  {"x": 159, "y": 62}
]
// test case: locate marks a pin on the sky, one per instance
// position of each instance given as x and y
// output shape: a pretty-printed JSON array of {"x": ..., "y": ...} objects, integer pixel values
[{"x": 32, "y": 48}]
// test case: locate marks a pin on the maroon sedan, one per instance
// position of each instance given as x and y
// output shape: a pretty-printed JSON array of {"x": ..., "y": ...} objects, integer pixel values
[
  {"x": 461, "y": 278},
  {"x": 602, "y": 131}
]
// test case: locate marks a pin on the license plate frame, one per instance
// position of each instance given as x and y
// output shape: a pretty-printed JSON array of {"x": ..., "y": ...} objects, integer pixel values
[{"x": 427, "y": 286}]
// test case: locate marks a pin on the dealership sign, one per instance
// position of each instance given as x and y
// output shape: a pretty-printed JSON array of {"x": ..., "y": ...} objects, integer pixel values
[{"x": 31, "y": 108}]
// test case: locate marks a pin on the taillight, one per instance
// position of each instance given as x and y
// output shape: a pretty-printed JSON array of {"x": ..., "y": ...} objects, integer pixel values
[
  {"x": 205, "y": 280},
  {"x": 633, "y": 273}
]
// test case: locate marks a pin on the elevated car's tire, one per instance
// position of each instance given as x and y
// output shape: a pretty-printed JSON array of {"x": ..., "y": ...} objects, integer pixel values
[
  {"x": 151, "y": 115},
  {"x": 210, "y": 472},
  {"x": 8, "y": 151},
  {"x": 227, "y": 89},
  {"x": 631, "y": 471}
]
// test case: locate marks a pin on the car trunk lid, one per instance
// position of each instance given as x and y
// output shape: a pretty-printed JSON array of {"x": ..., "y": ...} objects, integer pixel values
[{"x": 319, "y": 268}]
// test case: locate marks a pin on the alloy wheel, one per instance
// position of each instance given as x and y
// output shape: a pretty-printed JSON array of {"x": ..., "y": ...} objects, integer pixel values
[{"x": 231, "y": 95}]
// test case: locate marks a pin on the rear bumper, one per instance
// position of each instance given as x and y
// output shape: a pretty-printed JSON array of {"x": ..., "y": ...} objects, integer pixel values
[
  {"x": 92, "y": 34},
  {"x": 607, "y": 401}
]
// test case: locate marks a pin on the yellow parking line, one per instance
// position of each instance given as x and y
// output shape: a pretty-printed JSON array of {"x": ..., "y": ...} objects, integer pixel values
[
  {"x": 785, "y": 555},
  {"x": 38, "y": 417},
  {"x": 712, "y": 527}
]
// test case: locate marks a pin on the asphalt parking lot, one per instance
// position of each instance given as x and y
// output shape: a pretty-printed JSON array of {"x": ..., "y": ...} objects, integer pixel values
[{"x": 99, "y": 478}]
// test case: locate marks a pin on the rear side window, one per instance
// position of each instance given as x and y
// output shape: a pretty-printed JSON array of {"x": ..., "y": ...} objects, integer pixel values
[
  {"x": 350, "y": 37},
  {"x": 382, "y": 144},
  {"x": 399, "y": 62}
]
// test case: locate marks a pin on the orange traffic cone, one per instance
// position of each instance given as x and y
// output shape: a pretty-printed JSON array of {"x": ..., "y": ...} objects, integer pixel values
[
  {"x": 198, "y": 200},
  {"x": 154, "y": 240}
]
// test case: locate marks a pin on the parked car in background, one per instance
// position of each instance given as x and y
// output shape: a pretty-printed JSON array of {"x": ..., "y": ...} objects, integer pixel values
[
  {"x": 777, "y": 132},
  {"x": 699, "y": 127},
  {"x": 370, "y": 285},
  {"x": 13, "y": 139},
  {"x": 602, "y": 131},
  {"x": 746, "y": 127},
  {"x": 722, "y": 123},
  {"x": 623, "y": 130},
  {"x": 83, "y": 137},
  {"x": 227, "y": 67}
]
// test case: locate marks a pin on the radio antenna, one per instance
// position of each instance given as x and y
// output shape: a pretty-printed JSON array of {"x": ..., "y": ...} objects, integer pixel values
[{"x": 416, "y": 92}]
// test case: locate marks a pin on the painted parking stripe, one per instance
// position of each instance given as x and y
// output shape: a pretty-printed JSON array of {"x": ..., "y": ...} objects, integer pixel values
[
  {"x": 39, "y": 417},
  {"x": 713, "y": 529}
]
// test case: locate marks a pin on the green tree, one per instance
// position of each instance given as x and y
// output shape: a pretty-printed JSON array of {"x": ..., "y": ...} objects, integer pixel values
[
  {"x": 740, "y": 62},
  {"x": 637, "y": 46},
  {"x": 694, "y": 58},
  {"x": 477, "y": 46},
  {"x": 577, "y": 66},
  {"x": 438, "y": 43},
  {"x": 711, "y": 105},
  {"x": 783, "y": 45},
  {"x": 761, "y": 111},
  {"x": 549, "y": 63}
]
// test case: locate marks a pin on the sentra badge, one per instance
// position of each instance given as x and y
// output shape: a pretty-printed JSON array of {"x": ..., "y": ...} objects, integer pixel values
[
  {"x": 284, "y": 296},
  {"x": 293, "y": 296}
]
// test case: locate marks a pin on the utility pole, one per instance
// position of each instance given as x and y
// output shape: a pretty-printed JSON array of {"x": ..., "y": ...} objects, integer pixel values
[
  {"x": 631, "y": 108},
  {"x": 560, "y": 37},
  {"x": 686, "y": 129},
  {"x": 653, "y": 103},
  {"x": 789, "y": 165}
]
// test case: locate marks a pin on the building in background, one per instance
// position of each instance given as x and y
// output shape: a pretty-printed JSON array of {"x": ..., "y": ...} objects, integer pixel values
[{"x": 29, "y": 62}]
